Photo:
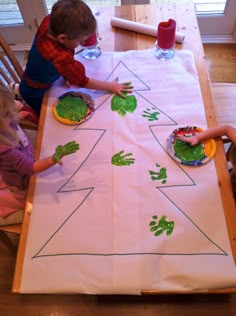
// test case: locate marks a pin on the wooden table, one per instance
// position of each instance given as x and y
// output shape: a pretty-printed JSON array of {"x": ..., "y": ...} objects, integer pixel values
[{"x": 114, "y": 39}]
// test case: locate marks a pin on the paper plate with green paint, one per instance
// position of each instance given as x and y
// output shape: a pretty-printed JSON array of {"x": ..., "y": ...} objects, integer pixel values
[
  {"x": 73, "y": 108},
  {"x": 186, "y": 154}
]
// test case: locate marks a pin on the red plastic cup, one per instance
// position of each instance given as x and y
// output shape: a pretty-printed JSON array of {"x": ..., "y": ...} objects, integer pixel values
[
  {"x": 91, "y": 41},
  {"x": 166, "y": 34}
]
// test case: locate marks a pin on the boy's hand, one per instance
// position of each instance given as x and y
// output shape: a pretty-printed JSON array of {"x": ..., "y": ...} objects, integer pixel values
[
  {"x": 118, "y": 88},
  {"x": 67, "y": 149}
]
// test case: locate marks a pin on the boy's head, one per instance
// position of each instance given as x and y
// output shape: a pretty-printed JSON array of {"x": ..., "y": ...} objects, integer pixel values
[{"x": 71, "y": 20}]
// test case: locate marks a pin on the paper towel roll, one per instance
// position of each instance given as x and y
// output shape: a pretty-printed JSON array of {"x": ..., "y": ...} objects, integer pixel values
[{"x": 142, "y": 28}]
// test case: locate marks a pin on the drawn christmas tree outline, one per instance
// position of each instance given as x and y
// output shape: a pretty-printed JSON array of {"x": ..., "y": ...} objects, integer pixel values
[{"x": 90, "y": 189}]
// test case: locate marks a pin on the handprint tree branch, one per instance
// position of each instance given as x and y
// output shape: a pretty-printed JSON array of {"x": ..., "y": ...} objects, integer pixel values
[
  {"x": 159, "y": 175},
  {"x": 151, "y": 114},
  {"x": 119, "y": 160},
  {"x": 161, "y": 226}
]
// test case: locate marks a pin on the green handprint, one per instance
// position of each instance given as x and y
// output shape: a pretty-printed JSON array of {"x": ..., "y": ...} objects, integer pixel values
[
  {"x": 67, "y": 149},
  {"x": 152, "y": 116},
  {"x": 161, "y": 226},
  {"x": 161, "y": 175},
  {"x": 124, "y": 105},
  {"x": 119, "y": 160}
]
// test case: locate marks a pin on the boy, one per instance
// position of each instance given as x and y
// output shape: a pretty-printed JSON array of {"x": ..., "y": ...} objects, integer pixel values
[{"x": 70, "y": 23}]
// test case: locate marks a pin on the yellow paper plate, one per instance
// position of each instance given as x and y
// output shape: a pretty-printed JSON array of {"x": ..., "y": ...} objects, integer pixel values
[
  {"x": 68, "y": 118},
  {"x": 189, "y": 155}
]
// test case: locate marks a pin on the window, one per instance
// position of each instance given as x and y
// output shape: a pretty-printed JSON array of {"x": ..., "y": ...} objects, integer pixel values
[
  {"x": 206, "y": 6},
  {"x": 10, "y": 13},
  {"x": 18, "y": 18},
  {"x": 210, "y": 6},
  {"x": 49, "y": 3}
]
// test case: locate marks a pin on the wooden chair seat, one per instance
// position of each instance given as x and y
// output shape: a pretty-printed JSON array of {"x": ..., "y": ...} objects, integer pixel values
[
  {"x": 11, "y": 225},
  {"x": 14, "y": 218}
]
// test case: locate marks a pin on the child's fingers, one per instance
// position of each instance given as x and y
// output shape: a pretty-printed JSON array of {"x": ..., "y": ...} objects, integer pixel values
[
  {"x": 127, "y": 88},
  {"x": 72, "y": 144},
  {"x": 120, "y": 94},
  {"x": 118, "y": 88},
  {"x": 127, "y": 91},
  {"x": 127, "y": 155},
  {"x": 127, "y": 85}
]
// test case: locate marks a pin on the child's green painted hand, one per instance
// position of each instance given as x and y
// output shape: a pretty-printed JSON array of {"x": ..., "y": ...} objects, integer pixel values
[
  {"x": 67, "y": 149},
  {"x": 121, "y": 89}
]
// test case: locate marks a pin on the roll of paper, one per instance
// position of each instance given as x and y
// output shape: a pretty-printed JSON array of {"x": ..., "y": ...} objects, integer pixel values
[{"x": 142, "y": 28}]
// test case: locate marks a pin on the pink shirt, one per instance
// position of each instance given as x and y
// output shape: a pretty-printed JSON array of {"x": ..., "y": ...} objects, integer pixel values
[{"x": 16, "y": 164}]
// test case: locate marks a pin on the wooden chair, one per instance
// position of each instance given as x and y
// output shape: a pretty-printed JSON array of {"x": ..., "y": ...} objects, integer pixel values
[
  {"x": 11, "y": 71},
  {"x": 11, "y": 225}
]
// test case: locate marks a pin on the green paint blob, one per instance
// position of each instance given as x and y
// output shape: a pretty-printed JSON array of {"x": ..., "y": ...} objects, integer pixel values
[
  {"x": 185, "y": 152},
  {"x": 72, "y": 108},
  {"x": 123, "y": 105}
]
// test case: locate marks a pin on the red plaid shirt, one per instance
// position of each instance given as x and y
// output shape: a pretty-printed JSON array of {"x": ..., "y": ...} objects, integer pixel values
[{"x": 48, "y": 60}]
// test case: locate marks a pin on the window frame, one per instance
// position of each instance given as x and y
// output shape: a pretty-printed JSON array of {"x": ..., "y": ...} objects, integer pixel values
[{"x": 217, "y": 28}]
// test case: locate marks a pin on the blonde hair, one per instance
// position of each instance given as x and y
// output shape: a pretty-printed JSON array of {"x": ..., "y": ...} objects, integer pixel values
[
  {"x": 73, "y": 18},
  {"x": 8, "y": 116}
]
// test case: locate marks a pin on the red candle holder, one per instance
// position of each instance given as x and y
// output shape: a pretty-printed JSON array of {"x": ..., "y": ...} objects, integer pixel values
[
  {"x": 91, "y": 49},
  {"x": 91, "y": 41},
  {"x": 166, "y": 39}
]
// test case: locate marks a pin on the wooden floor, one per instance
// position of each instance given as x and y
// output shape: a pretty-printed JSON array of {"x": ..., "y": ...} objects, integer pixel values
[{"x": 221, "y": 60}]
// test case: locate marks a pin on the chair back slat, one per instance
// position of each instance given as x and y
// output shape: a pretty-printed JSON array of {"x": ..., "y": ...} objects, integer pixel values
[
  {"x": 8, "y": 69},
  {"x": 11, "y": 69},
  {"x": 4, "y": 76}
]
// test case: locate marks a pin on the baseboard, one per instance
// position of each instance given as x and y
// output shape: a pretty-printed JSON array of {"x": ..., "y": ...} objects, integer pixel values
[
  {"x": 218, "y": 39},
  {"x": 206, "y": 39},
  {"x": 21, "y": 47}
]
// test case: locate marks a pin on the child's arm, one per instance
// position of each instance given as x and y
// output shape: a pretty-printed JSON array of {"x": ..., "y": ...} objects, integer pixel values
[
  {"x": 218, "y": 131},
  {"x": 113, "y": 86},
  {"x": 60, "y": 152}
]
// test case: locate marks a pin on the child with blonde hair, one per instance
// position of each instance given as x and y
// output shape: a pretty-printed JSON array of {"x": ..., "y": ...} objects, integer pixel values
[
  {"x": 17, "y": 162},
  {"x": 70, "y": 23}
]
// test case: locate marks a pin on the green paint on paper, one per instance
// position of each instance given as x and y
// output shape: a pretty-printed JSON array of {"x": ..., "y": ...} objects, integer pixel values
[
  {"x": 159, "y": 175},
  {"x": 123, "y": 105},
  {"x": 163, "y": 225},
  {"x": 151, "y": 114},
  {"x": 72, "y": 108},
  {"x": 119, "y": 160},
  {"x": 185, "y": 152}
]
